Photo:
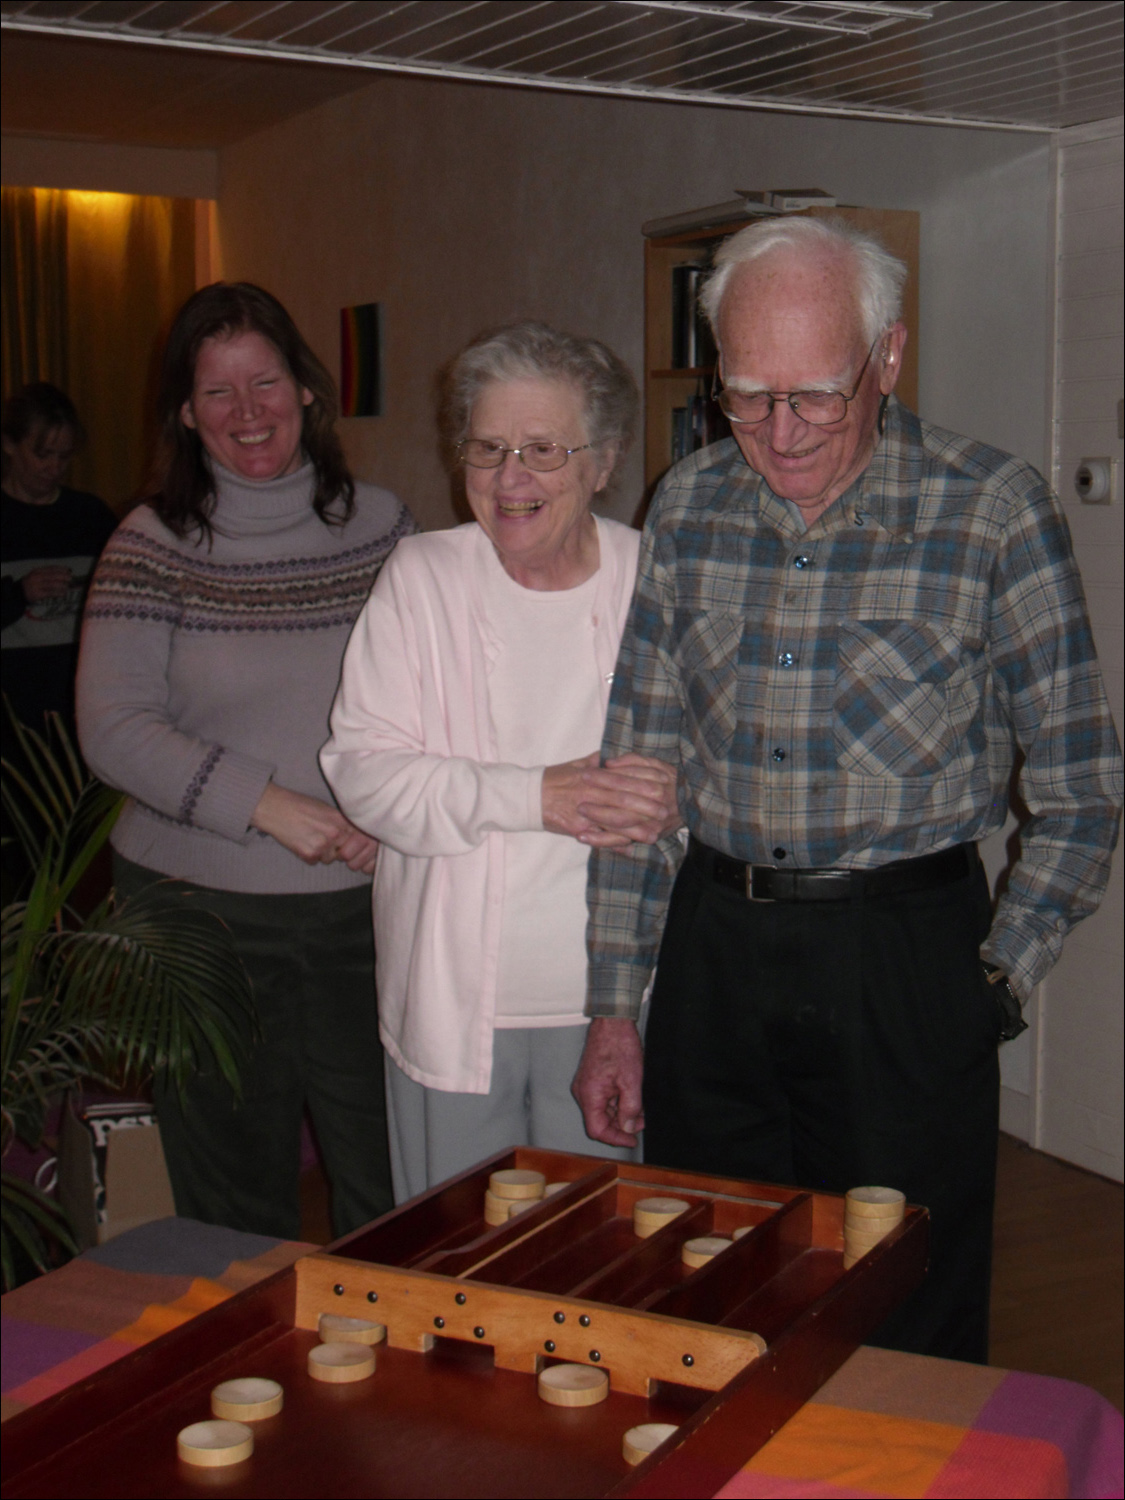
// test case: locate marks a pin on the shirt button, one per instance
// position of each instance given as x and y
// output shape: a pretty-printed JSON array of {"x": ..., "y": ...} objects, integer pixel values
[
  {"x": 803, "y": 561},
  {"x": 779, "y": 853},
  {"x": 786, "y": 659},
  {"x": 779, "y": 756}
]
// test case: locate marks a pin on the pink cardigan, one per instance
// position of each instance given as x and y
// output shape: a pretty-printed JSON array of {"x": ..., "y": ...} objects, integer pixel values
[{"x": 413, "y": 761}]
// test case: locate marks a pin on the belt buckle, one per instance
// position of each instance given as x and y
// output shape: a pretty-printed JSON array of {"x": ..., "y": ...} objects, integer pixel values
[{"x": 750, "y": 896}]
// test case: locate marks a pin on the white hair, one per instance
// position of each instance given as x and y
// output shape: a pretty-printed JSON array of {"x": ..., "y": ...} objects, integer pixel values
[
  {"x": 533, "y": 350},
  {"x": 879, "y": 275}
]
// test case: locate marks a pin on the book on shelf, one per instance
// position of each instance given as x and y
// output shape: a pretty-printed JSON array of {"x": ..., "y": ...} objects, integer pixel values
[
  {"x": 697, "y": 425},
  {"x": 693, "y": 345}
]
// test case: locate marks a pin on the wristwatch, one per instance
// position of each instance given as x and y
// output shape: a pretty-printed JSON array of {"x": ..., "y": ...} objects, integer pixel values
[{"x": 1007, "y": 1001}]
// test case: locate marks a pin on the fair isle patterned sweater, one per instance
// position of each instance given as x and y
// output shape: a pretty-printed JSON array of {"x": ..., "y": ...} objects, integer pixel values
[{"x": 209, "y": 669}]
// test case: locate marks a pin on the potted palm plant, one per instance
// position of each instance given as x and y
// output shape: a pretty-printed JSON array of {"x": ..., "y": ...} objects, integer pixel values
[{"x": 111, "y": 995}]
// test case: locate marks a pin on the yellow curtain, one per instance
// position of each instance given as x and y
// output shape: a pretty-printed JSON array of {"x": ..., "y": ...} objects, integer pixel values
[
  {"x": 34, "y": 235},
  {"x": 129, "y": 264}
]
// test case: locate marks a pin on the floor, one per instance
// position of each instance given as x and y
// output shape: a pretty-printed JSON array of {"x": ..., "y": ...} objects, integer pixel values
[{"x": 1057, "y": 1273}]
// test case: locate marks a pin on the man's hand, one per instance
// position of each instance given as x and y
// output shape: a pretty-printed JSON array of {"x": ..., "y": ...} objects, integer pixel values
[
  {"x": 313, "y": 830},
  {"x": 48, "y": 582},
  {"x": 608, "y": 1082}
]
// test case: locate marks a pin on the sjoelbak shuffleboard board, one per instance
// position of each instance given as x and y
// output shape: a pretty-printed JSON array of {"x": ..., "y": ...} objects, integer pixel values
[{"x": 726, "y": 1351}]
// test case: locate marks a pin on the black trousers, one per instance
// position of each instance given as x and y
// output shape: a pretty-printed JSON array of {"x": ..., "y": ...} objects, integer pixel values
[
  {"x": 311, "y": 965},
  {"x": 832, "y": 1045}
]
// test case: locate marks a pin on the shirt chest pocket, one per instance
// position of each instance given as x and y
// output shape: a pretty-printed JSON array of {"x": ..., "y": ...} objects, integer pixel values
[
  {"x": 708, "y": 648},
  {"x": 899, "y": 700}
]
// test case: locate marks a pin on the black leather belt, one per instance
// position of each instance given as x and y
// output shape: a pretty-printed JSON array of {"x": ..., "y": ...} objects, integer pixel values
[{"x": 769, "y": 883}]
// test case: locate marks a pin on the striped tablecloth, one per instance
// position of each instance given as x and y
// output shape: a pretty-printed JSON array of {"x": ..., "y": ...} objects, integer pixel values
[{"x": 884, "y": 1425}]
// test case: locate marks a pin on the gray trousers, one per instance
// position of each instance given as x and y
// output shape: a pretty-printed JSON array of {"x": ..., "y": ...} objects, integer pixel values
[{"x": 434, "y": 1135}]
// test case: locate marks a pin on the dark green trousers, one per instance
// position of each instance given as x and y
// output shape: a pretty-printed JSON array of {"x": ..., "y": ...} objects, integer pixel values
[{"x": 311, "y": 965}]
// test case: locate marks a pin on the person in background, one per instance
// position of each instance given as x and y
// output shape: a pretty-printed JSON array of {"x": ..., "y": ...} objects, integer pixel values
[
  {"x": 52, "y": 536},
  {"x": 848, "y": 623},
  {"x": 210, "y": 653},
  {"x": 464, "y": 738}
]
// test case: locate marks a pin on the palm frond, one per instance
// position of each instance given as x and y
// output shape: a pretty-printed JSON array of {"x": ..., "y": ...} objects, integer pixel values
[
  {"x": 31, "y": 1221},
  {"x": 148, "y": 986}
]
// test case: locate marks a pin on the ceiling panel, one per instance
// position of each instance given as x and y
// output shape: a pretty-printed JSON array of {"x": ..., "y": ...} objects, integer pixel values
[{"x": 1015, "y": 64}]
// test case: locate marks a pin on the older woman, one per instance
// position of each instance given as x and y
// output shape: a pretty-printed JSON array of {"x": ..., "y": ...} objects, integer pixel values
[
  {"x": 210, "y": 652},
  {"x": 464, "y": 738}
]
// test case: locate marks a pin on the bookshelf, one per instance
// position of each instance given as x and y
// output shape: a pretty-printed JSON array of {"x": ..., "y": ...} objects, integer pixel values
[{"x": 666, "y": 388}]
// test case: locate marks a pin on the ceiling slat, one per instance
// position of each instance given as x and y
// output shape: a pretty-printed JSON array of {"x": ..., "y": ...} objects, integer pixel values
[{"x": 1021, "y": 64}]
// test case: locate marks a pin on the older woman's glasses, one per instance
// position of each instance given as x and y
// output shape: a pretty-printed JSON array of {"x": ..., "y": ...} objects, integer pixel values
[
  {"x": 821, "y": 408},
  {"x": 479, "y": 453}
]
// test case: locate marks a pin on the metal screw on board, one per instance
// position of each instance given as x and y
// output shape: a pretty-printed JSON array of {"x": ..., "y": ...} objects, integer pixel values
[
  {"x": 339, "y": 1289},
  {"x": 560, "y": 1317},
  {"x": 689, "y": 1360},
  {"x": 439, "y": 1322},
  {"x": 584, "y": 1320},
  {"x": 373, "y": 1296},
  {"x": 550, "y": 1346},
  {"x": 595, "y": 1355},
  {"x": 460, "y": 1299},
  {"x": 478, "y": 1333}
]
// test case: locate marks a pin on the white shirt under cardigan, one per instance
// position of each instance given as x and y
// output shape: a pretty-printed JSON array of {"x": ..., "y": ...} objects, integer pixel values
[
  {"x": 208, "y": 667},
  {"x": 421, "y": 756}
]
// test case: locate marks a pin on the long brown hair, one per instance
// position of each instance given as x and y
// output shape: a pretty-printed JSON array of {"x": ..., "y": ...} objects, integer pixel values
[{"x": 185, "y": 497}]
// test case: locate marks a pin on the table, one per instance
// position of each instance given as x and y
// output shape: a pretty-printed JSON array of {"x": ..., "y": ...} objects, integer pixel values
[{"x": 885, "y": 1424}]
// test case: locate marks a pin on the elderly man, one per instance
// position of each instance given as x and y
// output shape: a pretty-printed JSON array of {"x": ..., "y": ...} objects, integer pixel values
[{"x": 848, "y": 625}]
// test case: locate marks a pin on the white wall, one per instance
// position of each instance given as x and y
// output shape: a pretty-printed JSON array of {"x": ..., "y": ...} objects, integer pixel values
[
  {"x": 1079, "y": 1074},
  {"x": 460, "y": 206}
]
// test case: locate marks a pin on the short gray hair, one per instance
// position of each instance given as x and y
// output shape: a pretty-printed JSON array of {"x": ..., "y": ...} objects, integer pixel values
[
  {"x": 535, "y": 351},
  {"x": 879, "y": 275}
]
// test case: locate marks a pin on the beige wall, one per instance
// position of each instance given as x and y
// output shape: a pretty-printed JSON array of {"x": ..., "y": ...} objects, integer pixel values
[
  {"x": 1078, "y": 1081},
  {"x": 458, "y": 206},
  {"x": 101, "y": 168}
]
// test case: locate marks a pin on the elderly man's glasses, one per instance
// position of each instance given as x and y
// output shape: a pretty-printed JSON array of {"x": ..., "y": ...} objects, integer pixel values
[
  {"x": 479, "y": 453},
  {"x": 821, "y": 408}
]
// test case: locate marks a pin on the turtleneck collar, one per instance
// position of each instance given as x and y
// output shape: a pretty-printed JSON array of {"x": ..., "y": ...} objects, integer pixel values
[{"x": 245, "y": 507}]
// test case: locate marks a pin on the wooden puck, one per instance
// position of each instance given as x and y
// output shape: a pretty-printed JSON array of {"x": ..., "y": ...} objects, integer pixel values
[
  {"x": 521, "y": 1205},
  {"x": 698, "y": 1252},
  {"x": 517, "y": 1182},
  {"x": 640, "y": 1441},
  {"x": 573, "y": 1385},
  {"x": 554, "y": 1187},
  {"x": 651, "y": 1214},
  {"x": 496, "y": 1209},
  {"x": 850, "y": 1260},
  {"x": 213, "y": 1445},
  {"x": 339, "y": 1363},
  {"x": 875, "y": 1203},
  {"x": 737, "y": 1234},
  {"x": 336, "y": 1329},
  {"x": 867, "y": 1234},
  {"x": 248, "y": 1399}
]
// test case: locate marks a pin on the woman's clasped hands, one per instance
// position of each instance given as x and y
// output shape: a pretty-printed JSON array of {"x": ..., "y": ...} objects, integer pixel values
[
  {"x": 629, "y": 800},
  {"x": 313, "y": 830}
]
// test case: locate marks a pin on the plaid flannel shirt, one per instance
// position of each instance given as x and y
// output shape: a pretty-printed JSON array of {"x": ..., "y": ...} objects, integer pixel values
[{"x": 855, "y": 693}]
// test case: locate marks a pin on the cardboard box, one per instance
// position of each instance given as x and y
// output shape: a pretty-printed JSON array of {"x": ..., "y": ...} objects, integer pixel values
[{"x": 112, "y": 1175}]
